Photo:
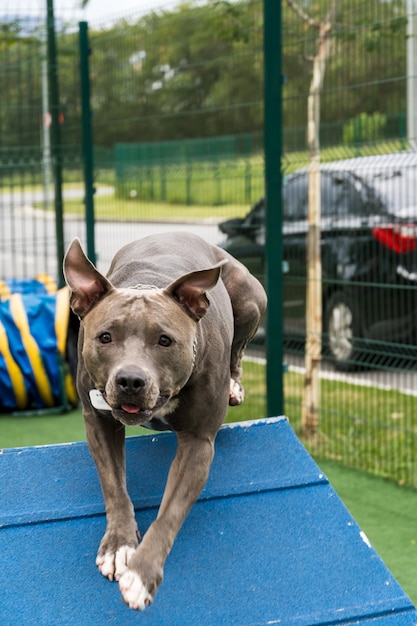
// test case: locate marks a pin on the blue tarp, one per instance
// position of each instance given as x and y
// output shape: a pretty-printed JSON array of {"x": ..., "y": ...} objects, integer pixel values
[
  {"x": 40, "y": 312},
  {"x": 31, "y": 354}
]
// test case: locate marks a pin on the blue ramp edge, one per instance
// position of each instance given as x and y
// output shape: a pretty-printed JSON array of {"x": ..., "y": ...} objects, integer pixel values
[{"x": 268, "y": 542}]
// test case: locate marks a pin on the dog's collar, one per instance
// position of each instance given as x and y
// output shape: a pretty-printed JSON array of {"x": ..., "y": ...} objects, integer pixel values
[{"x": 194, "y": 354}]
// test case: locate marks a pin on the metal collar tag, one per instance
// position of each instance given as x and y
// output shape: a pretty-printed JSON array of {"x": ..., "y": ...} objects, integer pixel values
[{"x": 97, "y": 400}]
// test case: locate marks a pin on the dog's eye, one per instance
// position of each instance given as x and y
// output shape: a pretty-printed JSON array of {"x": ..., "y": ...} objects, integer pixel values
[
  {"x": 104, "y": 338},
  {"x": 164, "y": 341}
]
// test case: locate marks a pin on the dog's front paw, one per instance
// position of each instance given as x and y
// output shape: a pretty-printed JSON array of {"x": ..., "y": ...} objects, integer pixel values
[
  {"x": 113, "y": 564},
  {"x": 134, "y": 592},
  {"x": 236, "y": 393}
]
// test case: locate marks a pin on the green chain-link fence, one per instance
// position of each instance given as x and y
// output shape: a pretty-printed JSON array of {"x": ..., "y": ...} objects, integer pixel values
[
  {"x": 177, "y": 100},
  {"x": 367, "y": 402},
  {"x": 211, "y": 171}
]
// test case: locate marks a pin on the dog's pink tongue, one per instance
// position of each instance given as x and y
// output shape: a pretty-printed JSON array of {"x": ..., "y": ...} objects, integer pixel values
[{"x": 130, "y": 408}]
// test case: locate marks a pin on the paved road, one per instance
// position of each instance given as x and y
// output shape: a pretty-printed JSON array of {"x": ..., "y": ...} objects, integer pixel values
[
  {"x": 30, "y": 242},
  {"x": 18, "y": 198},
  {"x": 404, "y": 380},
  {"x": 111, "y": 236},
  {"x": 383, "y": 379},
  {"x": 28, "y": 239}
]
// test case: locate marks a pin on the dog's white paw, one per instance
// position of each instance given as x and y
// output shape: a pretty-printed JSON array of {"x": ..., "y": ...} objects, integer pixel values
[
  {"x": 236, "y": 393},
  {"x": 114, "y": 564},
  {"x": 133, "y": 591}
]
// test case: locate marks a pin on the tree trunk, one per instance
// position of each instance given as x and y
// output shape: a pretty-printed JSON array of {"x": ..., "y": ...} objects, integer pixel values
[{"x": 311, "y": 395}]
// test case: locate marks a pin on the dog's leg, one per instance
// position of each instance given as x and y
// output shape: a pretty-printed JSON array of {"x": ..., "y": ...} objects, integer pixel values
[
  {"x": 187, "y": 476},
  {"x": 248, "y": 300},
  {"x": 246, "y": 325},
  {"x": 106, "y": 439}
]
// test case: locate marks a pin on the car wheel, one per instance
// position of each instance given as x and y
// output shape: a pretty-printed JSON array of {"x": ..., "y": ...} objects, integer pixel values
[{"x": 342, "y": 333}]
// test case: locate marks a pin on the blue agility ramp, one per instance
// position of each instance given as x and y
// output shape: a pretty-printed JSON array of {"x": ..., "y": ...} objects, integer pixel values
[{"x": 268, "y": 542}]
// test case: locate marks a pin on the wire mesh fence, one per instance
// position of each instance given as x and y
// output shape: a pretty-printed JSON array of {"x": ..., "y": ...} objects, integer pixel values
[
  {"x": 177, "y": 99},
  {"x": 367, "y": 209}
]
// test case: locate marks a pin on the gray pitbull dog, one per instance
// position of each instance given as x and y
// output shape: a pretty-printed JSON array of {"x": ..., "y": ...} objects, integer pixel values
[{"x": 155, "y": 349}]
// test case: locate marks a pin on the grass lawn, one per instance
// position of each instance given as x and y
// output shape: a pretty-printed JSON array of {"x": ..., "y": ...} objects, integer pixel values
[
  {"x": 127, "y": 210},
  {"x": 386, "y": 512}
]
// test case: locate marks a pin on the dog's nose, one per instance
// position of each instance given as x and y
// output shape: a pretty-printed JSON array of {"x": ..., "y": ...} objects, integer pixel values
[{"x": 131, "y": 381}]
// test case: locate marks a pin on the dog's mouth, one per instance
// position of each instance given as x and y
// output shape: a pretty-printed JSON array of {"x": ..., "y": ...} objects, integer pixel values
[
  {"x": 135, "y": 409},
  {"x": 131, "y": 413}
]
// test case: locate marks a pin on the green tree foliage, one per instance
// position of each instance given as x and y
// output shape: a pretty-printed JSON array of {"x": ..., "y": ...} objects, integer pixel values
[
  {"x": 364, "y": 74},
  {"x": 197, "y": 71},
  {"x": 191, "y": 72},
  {"x": 20, "y": 96}
]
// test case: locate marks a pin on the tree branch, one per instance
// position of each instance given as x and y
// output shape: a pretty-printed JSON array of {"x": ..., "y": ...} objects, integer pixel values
[{"x": 303, "y": 15}]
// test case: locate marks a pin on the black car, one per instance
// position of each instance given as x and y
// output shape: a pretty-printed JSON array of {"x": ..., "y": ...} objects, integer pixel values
[{"x": 368, "y": 253}]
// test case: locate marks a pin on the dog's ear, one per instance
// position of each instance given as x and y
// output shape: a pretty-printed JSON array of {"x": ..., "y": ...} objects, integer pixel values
[
  {"x": 190, "y": 290},
  {"x": 86, "y": 283}
]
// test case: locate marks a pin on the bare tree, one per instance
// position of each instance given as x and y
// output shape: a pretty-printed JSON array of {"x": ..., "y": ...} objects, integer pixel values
[{"x": 314, "y": 314}]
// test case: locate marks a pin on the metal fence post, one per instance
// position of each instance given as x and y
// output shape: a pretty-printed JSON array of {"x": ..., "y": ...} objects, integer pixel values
[
  {"x": 56, "y": 149},
  {"x": 87, "y": 139},
  {"x": 274, "y": 255}
]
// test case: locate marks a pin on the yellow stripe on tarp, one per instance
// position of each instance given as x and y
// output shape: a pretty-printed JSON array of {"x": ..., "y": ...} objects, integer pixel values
[
  {"x": 61, "y": 329},
  {"x": 70, "y": 389},
  {"x": 61, "y": 318},
  {"x": 32, "y": 350},
  {"x": 4, "y": 290},
  {"x": 47, "y": 281},
  {"x": 15, "y": 374}
]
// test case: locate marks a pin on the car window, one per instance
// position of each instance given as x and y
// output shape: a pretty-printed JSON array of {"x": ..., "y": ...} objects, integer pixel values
[
  {"x": 354, "y": 192},
  {"x": 340, "y": 195},
  {"x": 343, "y": 194}
]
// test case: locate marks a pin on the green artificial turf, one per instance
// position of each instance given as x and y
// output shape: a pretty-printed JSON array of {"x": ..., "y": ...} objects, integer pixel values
[
  {"x": 386, "y": 513},
  {"x": 20, "y": 430}
]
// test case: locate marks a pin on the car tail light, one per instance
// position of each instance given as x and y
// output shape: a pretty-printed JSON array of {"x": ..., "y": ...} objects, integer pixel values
[{"x": 397, "y": 237}]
